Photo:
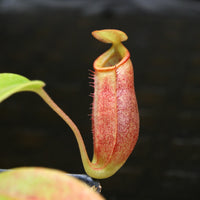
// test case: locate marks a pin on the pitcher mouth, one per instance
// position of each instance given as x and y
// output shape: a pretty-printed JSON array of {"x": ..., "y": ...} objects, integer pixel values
[{"x": 112, "y": 58}]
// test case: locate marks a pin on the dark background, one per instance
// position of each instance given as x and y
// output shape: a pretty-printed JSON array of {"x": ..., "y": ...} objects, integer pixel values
[{"x": 51, "y": 41}]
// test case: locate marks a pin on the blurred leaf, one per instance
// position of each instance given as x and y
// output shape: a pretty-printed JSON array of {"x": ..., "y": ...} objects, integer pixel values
[
  {"x": 12, "y": 83},
  {"x": 42, "y": 183}
]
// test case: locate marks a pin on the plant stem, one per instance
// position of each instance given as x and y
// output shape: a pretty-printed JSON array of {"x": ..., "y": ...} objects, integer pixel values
[{"x": 84, "y": 156}]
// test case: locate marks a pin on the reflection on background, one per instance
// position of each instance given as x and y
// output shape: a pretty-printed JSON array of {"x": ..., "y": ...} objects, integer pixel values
[
  {"x": 185, "y": 7},
  {"x": 51, "y": 41}
]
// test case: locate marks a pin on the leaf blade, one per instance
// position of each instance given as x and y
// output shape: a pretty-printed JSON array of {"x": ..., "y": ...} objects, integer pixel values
[
  {"x": 12, "y": 83},
  {"x": 38, "y": 183}
]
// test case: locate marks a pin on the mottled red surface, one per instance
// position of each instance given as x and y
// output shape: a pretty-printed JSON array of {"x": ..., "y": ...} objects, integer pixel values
[{"x": 115, "y": 113}]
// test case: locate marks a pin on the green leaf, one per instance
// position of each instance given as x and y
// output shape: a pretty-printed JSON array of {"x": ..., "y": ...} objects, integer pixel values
[
  {"x": 13, "y": 83},
  {"x": 38, "y": 183}
]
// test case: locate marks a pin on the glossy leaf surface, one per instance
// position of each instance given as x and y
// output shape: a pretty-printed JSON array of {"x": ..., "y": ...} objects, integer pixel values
[{"x": 12, "y": 83}]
